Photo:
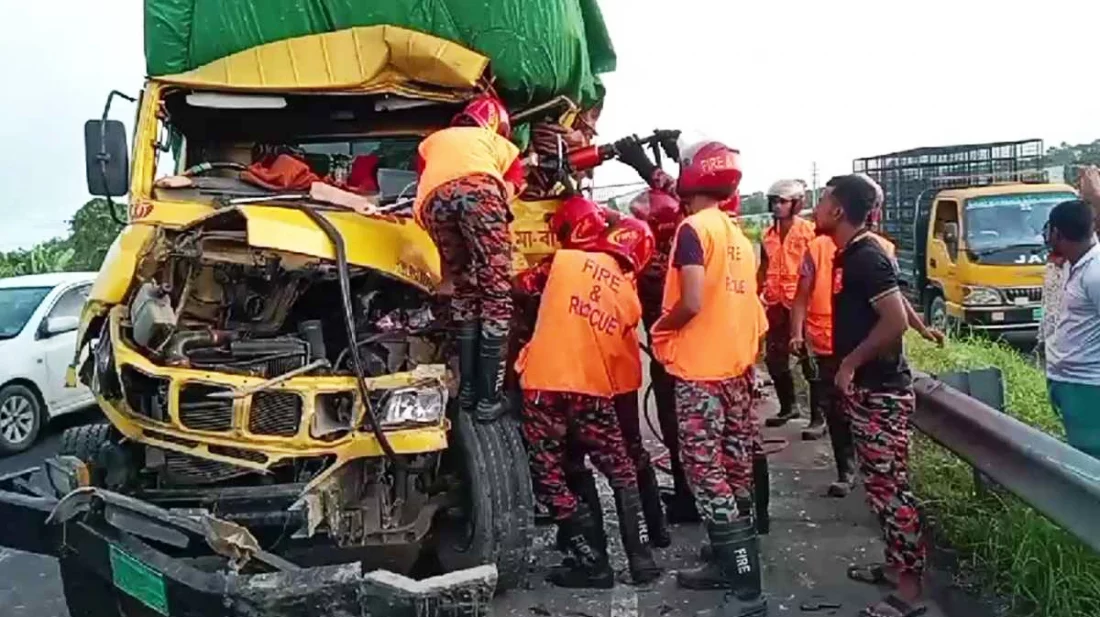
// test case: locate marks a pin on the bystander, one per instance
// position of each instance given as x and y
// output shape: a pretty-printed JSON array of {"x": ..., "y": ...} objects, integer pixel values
[{"x": 1073, "y": 344}]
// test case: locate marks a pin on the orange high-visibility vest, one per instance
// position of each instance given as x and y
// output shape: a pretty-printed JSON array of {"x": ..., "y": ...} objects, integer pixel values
[
  {"x": 459, "y": 151},
  {"x": 784, "y": 259},
  {"x": 585, "y": 339},
  {"x": 819, "y": 310},
  {"x": 723, "y": 339}
]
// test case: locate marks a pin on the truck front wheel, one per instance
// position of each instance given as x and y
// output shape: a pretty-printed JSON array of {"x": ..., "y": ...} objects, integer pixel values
[
  {"x": 493, "y": 519},
  {"x": 936, "y": 313}
]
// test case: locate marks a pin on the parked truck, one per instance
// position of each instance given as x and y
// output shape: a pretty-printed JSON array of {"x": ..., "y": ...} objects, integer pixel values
[
  {"x": 272, "y": 368},
  {"x": 968, "y": 223}
]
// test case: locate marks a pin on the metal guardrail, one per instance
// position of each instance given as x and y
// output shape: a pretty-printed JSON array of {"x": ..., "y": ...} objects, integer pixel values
[{"x": 1056, "y": 479}]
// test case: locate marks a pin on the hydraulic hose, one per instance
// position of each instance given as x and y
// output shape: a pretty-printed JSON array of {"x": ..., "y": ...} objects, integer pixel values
[{"x": 349, "y": 322}]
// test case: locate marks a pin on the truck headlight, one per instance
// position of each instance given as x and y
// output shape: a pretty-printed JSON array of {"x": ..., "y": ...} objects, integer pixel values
[
  {"x": 417, "y": 405},
  {"x": 981, "y": 296}
]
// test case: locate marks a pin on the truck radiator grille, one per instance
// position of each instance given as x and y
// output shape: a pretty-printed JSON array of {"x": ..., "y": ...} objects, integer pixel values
[
  {"x": 186, "y": 469},
  {"x": 201, "y": 413},
  {"x": 275, "y": 413},
  {"x": 1031, "y": 294}
]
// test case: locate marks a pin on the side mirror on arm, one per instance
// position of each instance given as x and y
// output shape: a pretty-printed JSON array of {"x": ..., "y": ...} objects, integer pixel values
[
  {"x": 950, "y": 232},
  {"x": 106, "y": 158},
  {"x": 60, "y": 325}
]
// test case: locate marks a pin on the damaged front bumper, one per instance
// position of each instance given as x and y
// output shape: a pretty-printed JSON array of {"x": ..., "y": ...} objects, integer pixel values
[{"x": 223, "y": 571}]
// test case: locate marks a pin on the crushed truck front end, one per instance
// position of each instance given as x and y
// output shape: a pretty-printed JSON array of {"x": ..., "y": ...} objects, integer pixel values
[{"x": 275, "y": 372}]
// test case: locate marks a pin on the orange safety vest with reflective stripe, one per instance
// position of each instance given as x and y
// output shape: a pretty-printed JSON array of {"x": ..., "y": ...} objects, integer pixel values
[
  {"x": 723, "y": 339},
  {"x": 784, "y": 260},
  {"x": 459, "y": 151},
  {"x": 585, "y": 339},
  {"x": 819, "y": 309}
]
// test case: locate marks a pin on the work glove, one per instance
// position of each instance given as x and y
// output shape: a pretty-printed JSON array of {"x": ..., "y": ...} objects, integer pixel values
[
  {"x": 669, "y": 145},
  {"x": 630, "y": 151}
]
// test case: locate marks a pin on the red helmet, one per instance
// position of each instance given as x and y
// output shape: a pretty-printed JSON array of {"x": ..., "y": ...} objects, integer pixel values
[
  {"x": 660, "y": 210},
  {"x": 708, "y": 166},
  {"x": 487, "y": 112},
  {"x": 631, "y": 240},
  {"x": 577, "y": 222}
]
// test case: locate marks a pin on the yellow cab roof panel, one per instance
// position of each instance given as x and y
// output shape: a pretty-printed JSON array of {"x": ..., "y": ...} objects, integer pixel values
[
  {"x": 362, "y": 60},
  {"x": 1005, "y": 189}
]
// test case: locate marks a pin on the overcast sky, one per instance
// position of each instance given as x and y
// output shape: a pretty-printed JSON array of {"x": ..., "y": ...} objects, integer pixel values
[{"x": 788, "y": 83}]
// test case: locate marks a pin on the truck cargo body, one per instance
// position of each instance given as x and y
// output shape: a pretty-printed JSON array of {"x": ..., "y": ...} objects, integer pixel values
[{"x": 968, "y": 225}]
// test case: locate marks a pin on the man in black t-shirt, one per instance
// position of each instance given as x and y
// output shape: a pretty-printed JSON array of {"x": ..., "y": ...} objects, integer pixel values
[{"x": 874, "y": 382}]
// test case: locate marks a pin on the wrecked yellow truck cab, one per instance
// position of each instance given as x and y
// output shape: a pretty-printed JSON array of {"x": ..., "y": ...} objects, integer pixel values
[{"x": 274, "y": 367}]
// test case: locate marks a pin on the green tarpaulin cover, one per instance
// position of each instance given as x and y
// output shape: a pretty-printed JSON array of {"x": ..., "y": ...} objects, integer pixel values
[{"x": 538, "y": 48}]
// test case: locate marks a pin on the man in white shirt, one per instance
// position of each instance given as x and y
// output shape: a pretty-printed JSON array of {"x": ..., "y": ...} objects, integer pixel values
[{"x": 1073, "y": 347}]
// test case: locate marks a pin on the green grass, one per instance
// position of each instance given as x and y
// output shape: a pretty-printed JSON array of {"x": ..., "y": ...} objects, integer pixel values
[
  {"x": 1017, "y": 553},
  {"x": 752, "y": 231}
]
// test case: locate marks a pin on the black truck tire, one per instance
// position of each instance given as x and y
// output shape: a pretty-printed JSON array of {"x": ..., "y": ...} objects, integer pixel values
[
  {"x": 84, "y": 442},
  {"x": 498, "y": 525}
]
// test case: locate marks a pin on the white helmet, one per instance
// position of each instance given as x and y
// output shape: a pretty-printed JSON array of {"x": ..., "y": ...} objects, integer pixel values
[{"x": 788, "y": 189}]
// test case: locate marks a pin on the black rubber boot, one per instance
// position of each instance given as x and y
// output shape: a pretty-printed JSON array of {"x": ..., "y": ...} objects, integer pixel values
[
  {"x": 818, "y": 398},
  {"x": 589, "y": 568},
  {"x": 761, "y": 487},
  {"x": 746, "y": 510},
  {"x": 740, "y": 560},
  {"x": 784, "y": 391},
  {"x": 816, "y": 428},
  {"x": 466, "y": 337},
  {"x": 650, "y": 493},
  {"x": 735, "y": 567},
  {"x": 491, "y": 403},
  {"x": 583, "y": 485},
  {"x": 628, "y": 505}
]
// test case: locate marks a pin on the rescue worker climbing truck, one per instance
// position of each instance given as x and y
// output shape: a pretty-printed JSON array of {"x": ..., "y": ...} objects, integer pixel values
[
  {"x": 267, "y": 346},
  {"x": 968, "y": 221}
]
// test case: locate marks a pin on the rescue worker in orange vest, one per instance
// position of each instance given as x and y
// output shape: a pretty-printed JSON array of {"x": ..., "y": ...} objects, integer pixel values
[
  {"x": 812, "y": 340},
  {"x": 784, "y": 245},
  {"x": 579, "y": 224},
  {"x": 680, "y": 504},
  {"x": 707, "y": 338},
  {"x": 584, "y": 352},
  {"x": 469, "y": 173}
]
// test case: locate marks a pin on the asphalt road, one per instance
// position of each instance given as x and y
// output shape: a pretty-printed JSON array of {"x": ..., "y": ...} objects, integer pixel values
[
  {"x": 29, "y": 584},
  {"x": 813, "y": 539}
]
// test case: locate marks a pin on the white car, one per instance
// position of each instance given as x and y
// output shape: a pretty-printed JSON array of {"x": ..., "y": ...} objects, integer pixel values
[{"x": 39, "y": 317}]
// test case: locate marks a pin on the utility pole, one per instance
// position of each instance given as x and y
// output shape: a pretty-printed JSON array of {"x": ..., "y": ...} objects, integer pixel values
[{"x": 813, "y": 199}]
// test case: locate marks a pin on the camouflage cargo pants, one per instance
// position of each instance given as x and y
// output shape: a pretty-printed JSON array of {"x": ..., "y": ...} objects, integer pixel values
[
  {"x": 548, "y": 417},
  {"x": 717, "y": 441},
  {"x": 629, "y": 418},
  {"x": 880, "y": 428},
  {"x": 468, "y": 220}
]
